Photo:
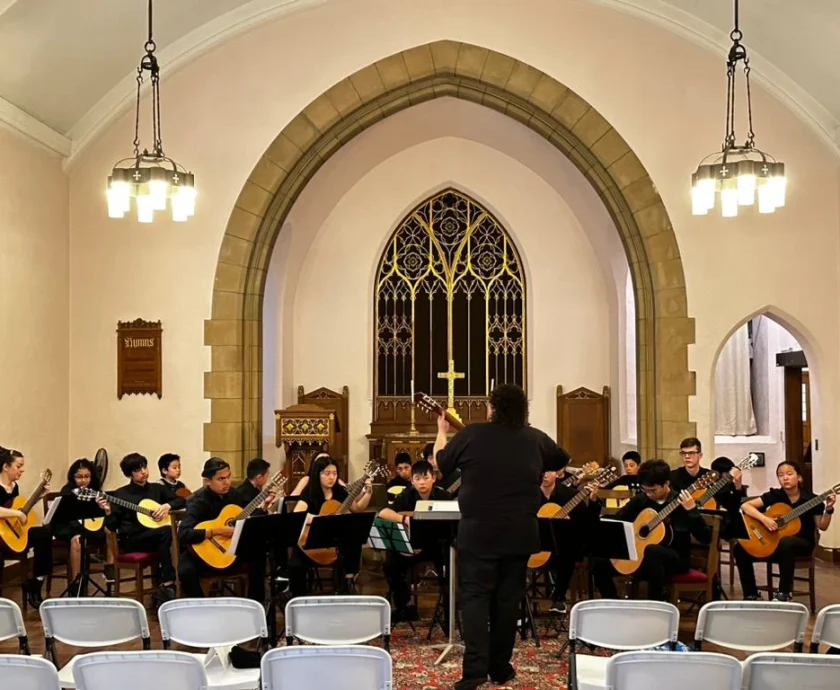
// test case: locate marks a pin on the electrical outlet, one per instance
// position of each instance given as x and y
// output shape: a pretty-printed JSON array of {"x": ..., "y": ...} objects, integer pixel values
[{"x": 760, "y": 456}]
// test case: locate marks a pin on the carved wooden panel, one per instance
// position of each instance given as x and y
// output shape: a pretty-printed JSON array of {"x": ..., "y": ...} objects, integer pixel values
[
  {"x": 139, "y": 358},
  {"x": 583, "y": 425},
  {"x": 303, "y": 431},
  {"x": 338, "y": 404}
]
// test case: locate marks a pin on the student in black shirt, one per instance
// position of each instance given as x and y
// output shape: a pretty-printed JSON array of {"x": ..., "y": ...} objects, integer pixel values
[
  {"x": 256, "y": 477},
  {"x": 691, "y": 453},
  {"x": 730, "y": 497},
  {"x": 501, "y": 463},
  {"x": 169, "y": 465},
  {"x": 40, "y": 538},
  {"x": 631, "y": 461},
  {"x": 427, "y": 545},
  {"x": 566, "y": 557},
  {"x": 402, "y": 465},
  {"x": 793, "y": 494},
  {"x": 442, "y": 481},
  {"x": 132, "y": 537},
  {"x": 660, "y": 562},
  {"x": 317, "y": 492},
  {"x": 206, "y": 504}
]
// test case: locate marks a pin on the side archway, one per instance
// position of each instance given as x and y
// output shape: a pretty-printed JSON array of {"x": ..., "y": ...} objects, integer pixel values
[{"x": 520, "y": 91}]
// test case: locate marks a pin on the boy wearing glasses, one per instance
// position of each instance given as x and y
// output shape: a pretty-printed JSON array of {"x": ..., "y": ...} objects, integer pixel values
[{"x": 691, "y": 453}]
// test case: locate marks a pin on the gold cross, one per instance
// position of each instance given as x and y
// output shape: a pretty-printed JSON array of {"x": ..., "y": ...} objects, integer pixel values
[{"x": 450, "y": 375}]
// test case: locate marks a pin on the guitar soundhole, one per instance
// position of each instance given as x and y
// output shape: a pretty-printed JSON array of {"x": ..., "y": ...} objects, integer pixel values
[
  {"x": 228, "y": 523},
  {"x": 644, "y": 531}
]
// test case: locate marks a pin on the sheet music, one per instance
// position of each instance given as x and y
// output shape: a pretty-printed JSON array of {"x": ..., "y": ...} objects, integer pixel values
[
  {"x": 378, "y": 526},
  {"x": 629, "y": 537},
  {"x": 51, "y": 511},
  {"x": 234, "y": 540}
]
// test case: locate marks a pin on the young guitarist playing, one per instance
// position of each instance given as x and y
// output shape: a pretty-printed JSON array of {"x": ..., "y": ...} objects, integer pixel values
[
  {"x": 691, "y": 453},
  {"x": 169, "y": 465},
  {"x": 206, "y": 504},
  {"x": 793, "y": 494},
  {"x": 441, "y": 481},
  {"x": 132, "y": 537},
  {"x": 397, "y": 565},
  {"x": 322, "y": 487},
  {"x": 40, "y": 538},
  {"x": 661, "y": 561},
  {"x": 256, "y": 476},
  {"x": 564, "y": 560},
  {"x": 731, "y": 496},
  {"x": 631, "y": 462},
  {"x": 402, "y": 465}
]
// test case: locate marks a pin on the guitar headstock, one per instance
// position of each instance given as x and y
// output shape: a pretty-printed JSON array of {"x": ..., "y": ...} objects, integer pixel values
[
  {"x": 705, "y": 481},
  {"x": 374, "y": 469},
  {"x": 749, "y": 462},
  {"x": 46, "y": 476},
  {"x": 85, "y": 493},
  {"x": 605, "y": 476},
  {"x": 428, "y": 403}
]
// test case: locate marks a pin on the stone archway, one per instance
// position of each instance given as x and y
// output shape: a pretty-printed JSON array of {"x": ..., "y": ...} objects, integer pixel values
[{"x": 460, "y": 70}]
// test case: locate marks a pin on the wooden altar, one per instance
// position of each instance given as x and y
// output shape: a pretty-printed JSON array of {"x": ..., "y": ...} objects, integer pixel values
[{"x": 304, "y": 431}]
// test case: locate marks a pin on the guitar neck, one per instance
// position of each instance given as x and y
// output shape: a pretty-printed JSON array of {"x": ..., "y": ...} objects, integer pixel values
[
  {"x": 805, "y": 507},
  {"x": 259, "y": 499},
  {"x": 573, "y": 503},
  {"x": 353, "y": 492},
  {"x": 672, "y": 506},
  {"x": 33, "y": 499},
  {"x": 715, "y": 488},
  {"x": 454, "y": 486},
  {"x": 128, "y": 505}
]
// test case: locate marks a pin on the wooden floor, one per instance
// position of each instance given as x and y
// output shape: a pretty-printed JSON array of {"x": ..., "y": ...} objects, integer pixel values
[{"x": 828, "y": 592}]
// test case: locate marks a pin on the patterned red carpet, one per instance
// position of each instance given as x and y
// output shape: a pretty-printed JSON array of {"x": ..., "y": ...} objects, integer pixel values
[{"x": 414, "y": 669}]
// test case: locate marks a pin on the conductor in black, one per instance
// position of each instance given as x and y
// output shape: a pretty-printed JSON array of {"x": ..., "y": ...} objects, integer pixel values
[{"x": 501, "y": 464}]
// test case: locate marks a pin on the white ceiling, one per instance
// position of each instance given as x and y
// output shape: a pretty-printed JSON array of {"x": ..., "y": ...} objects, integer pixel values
[{"x": 69, "y": 63}]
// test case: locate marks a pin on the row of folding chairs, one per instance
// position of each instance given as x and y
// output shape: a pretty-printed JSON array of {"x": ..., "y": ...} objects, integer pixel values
[
  {"x": 747, "y": 627},
  {"x": 216, "y": 624},
  {"x": 349, "y": 667}
]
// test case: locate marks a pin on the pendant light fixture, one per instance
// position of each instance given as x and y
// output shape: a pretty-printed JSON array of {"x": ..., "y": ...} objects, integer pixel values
[
  {"x": 150, "y": 178},
  {"x": 738, "y": 173}
]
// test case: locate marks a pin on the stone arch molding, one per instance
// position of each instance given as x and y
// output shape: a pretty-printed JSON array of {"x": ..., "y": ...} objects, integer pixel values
[{"x": 497, "y": 81}]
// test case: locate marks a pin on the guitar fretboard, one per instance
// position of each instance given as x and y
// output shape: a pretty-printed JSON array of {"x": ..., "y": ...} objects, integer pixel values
[
  {"x": 663, "y": 514},
  {"x": 124, "y": 504},
  {"x": 353, "y": 491},
  {"x": 259, "y": 499},
  {"x": 33, "y": 499},
  {"x": 808, "y": 505}
]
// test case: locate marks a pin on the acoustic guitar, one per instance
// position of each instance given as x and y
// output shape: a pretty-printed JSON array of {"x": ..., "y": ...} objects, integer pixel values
[
  {"x": 145, "y": 509},
  {"x": 587, "y": 473},
  {"x": 214, "y": 551},
  {"x": 13, "y": 533},
  {"x": 762, "y": 542},
  {"x": 433, "y": 407},
  {"x": 551, "y": 510},
  {"x": 705, "y": 498},
  {"x": 329, "y": 556},
  {"x": 649, "y": 527}
]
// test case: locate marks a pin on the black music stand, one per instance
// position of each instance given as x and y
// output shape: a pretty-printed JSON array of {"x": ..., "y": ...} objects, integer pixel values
[
  {"x": 334, "y": 531},
  {"x": 67, "y": 509}
]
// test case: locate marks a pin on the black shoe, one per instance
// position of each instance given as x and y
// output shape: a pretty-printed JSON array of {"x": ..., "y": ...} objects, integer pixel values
[
  {"x": 753, "y": 597},
  {"x": 782, "y": 596},
  {"x": 349, "y": 586},
  {"x": 557, "y": 608},
  {"x": 505, "y": 678},
  {"x": 164, "y": 593},
  {"x": 469, "y": 684},
  {"x": 32, "y": 592},
  {"x": 108, "y": 571}
]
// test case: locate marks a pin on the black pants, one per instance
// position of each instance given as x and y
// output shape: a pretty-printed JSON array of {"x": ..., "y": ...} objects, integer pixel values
[
  {"x": 191, "y": 569},
  {"x": 563, "y": 567},
  {"x": 349, "y": 560},
  {"x": 40, "y": 541},
  {"x": 660, "y": 563},
  {"x": 786, "y": 553},
  {"x": 492, "y": 589},
  {"x": 397, "y": 567},
  {"x": 157, "y": 541}
]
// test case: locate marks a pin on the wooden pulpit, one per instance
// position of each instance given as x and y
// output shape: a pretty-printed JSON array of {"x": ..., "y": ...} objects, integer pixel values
[{"x": 304, "y": 431}]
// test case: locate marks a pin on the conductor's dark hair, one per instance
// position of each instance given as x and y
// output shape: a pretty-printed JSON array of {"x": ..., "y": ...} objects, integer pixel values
[
  {"x": 632, "y": 455},
  {"x": 257, "y": 467},
  {"x": 402, "y": 459},
  {"x": 422, "y": 468},
  {"x": 83, "y": 464},
  {"x": 722, "y": 464},
  {"x": 133, "y": 462},
  {"x": 166, "y": 460},
  {"x": 510, "y": 406},
  {"x": 428, "y": 450},
  {"x": 654, "y": 473}
]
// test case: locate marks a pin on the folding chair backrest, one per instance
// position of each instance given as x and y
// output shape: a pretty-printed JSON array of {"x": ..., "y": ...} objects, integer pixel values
[
  {"x": 624, "y": 624},
  {"x": 827, "y": 628},
  {"x": 139, "y": 671},
  {"x": 697, "y": 671},
  {"x": 11, "y": 621},
  {"x": 218, "y": 622},
  {"x": 752, "y": 626},
  {"x": 89, "y": 622},
  {"x": 769, "y": 671},
  {"x": 348, "y": 667},
  {"x": 338, "y": 620},
  {"x": 27, "y": 673}
]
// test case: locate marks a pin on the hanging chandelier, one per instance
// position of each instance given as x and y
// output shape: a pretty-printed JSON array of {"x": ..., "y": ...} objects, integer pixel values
[
  {"x": 150, "y": 178},
  {"x": 738, "y": 173}
]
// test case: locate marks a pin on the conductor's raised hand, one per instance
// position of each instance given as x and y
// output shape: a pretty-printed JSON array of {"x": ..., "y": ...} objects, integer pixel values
[{"x": 443, "y": 425}]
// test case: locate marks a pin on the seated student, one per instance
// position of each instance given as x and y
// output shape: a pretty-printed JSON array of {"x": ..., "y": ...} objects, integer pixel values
[
  {"x": 567, "y": 556},
  {"x": 82, "y": 474},
  {"x": 131, "y": 535},
  {"x": 691, "y": 453},
  {"x": 40, "y": 538},
  {"x": 631, "y": 461},
  {"x": 256, "y": 477},
  {"x": 427, "y": 547},
  {"x": 660, "y": 562},
  {"x": 731, "y": 496},
  {"x": 204, "y": 505},
  {"x": 402, "y": 464},
  {"x": 791, "y": 493},
  {"x": 444, "y": 482},
  {"x": 323, "y": 487},
  {"x": 169, "y": 465},
  {"x": 303, "y": 482}
]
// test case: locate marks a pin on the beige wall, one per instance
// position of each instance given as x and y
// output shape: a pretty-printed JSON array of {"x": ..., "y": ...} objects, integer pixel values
[
  {"x": 34, "y": 307},
  {"x": 222, "y": 112}
]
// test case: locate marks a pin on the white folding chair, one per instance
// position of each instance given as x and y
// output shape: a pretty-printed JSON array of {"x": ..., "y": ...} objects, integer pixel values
[
  {"x": 617, "y": 624},
  {"x": 139, "y": 671},
  {"x": 216, "y": 624},
  {"x": 686, "y": 670},
  {"x": 342, "y": 667},
  {"x": 768, "y": 671},
  {"x": 341, "y": 620},
  {"x": 752, "y": 626},
  {"x": 826, "y": 629},
  {"x": 19, "y": 672},
  {"x": 11, "y": 625},
  {"x": 91, "y": 623}
]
